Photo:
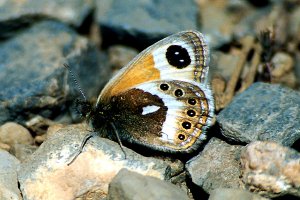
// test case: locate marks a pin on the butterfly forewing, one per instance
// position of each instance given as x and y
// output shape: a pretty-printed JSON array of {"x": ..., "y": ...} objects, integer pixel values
[{"x": 182, "y": 56}]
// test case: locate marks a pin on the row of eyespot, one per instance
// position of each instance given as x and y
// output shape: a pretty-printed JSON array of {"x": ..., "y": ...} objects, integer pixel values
[{"x": 191, "y": 113}]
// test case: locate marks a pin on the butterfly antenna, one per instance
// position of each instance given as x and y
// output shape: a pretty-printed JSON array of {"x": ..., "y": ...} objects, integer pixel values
[
  {"x": 75, "y": 81},
  {"x": 83, "y": 143},
  {"x": 118, "y": 138}
]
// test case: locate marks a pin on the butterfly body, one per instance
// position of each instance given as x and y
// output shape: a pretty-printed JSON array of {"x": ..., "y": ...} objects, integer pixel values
[{"x": 161, "y": 99}]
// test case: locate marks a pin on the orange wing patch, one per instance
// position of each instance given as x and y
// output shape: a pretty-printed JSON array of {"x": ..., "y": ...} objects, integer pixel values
[{"x": 140, "y": 71}]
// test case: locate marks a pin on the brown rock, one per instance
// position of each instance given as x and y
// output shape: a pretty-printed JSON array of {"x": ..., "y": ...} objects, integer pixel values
[
  {"x": 12, "y": 133},
  {"x": 271, "y": 169}
]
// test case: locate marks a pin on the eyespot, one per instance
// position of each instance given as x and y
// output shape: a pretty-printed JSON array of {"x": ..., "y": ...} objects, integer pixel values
[
  {"x": 191, "y": 113},
  {"x": 192, "y": 101},
  {"x": 186, "y": 125},
  {"x": 181, "y": 136},
  {"x": 178, "y": 93},
  {"x": 178, "y": 56},
  {"x": 164, "y": 86}
]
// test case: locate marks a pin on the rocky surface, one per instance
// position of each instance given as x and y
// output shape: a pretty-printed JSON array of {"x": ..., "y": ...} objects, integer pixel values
[
  {"x": 250, "y": 41},
  {"x": 263, "y": 112},
  {"x": 129, "y": 185},
  {"x": 49, "y": 173}
]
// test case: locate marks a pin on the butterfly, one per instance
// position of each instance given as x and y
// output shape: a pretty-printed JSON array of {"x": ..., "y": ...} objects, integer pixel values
[{"x": 161, "y": 99}]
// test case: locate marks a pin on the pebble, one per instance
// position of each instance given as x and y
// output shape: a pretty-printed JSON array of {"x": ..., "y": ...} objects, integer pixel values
[
  {"x": 271, "y": 169},
  {"x": 13, "y": 133},
  {"x": 262, "y": 112},
  {"x": 129, "y": 185},
  {"x": 283, "y": 69}
]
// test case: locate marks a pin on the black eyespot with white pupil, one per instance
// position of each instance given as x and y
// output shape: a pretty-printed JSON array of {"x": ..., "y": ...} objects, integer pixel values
[
  {"x": 178, "y": 93},
  {"x": 186, "y": 125},
  {"x": 164, "y": 87},
  {"x": 192, "y": 101},
  {"x": 181, "y": 137},
  {"x": 178, "y": 56},
  {"x": 191, "y": 113}
]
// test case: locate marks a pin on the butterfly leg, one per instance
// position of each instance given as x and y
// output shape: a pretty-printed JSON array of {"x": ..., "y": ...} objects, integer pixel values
[{"x": 118, "y": 138}]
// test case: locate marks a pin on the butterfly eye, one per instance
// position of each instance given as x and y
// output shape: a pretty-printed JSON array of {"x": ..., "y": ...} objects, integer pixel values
[
  {"x": 181, "y": 137},
  {"x": 178, "y": 56},
  {"x": 192, "y": 101},
  {"x": 178, "y": 93},
  {"x": 164, "y": 86},
  {"x": 191, "y": 113},
  {"x": 186, "y": 125}
]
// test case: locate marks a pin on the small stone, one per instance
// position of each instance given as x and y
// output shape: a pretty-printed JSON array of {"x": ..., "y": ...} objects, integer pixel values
[
  {"x": 283, "y": 69},
  {"x": 129, "y": 185},
  {"x": 262, "y": 112},
  {"x": 216, "y": 166},
  {"x": 47, "y": 175},
  {"x": 283, "y": 63},
  {"x": 8, "y": 177},
  {"x": 271, "y": 169},
  {"x": 13, "y": 133},
  {"x": 233, "y": 194}
]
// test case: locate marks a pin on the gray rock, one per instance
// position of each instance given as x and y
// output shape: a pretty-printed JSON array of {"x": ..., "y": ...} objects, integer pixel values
[
  {"x": 140, "y": 23},
  {"x": 15, "y": 14},
  {"x": 262, "y": 112},
  {"x": 8, "y": 177},
  {"x": 47, "y": 175},
  {"x": 22, "y": 151},
  {"x": 33, "y": 79},
  {"x": 271, "y": 169},
  {"x": 216, "y": 166},
  {"x": 233, "y": 194},
  {"x": 129, "y": 185}
]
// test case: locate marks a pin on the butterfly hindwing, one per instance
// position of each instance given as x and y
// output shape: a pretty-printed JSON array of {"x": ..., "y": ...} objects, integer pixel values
[{"x": 167, "y": 115}]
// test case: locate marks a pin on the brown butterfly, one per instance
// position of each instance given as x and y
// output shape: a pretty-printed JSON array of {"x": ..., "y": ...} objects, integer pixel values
[{"x": 161, "y": 99}]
